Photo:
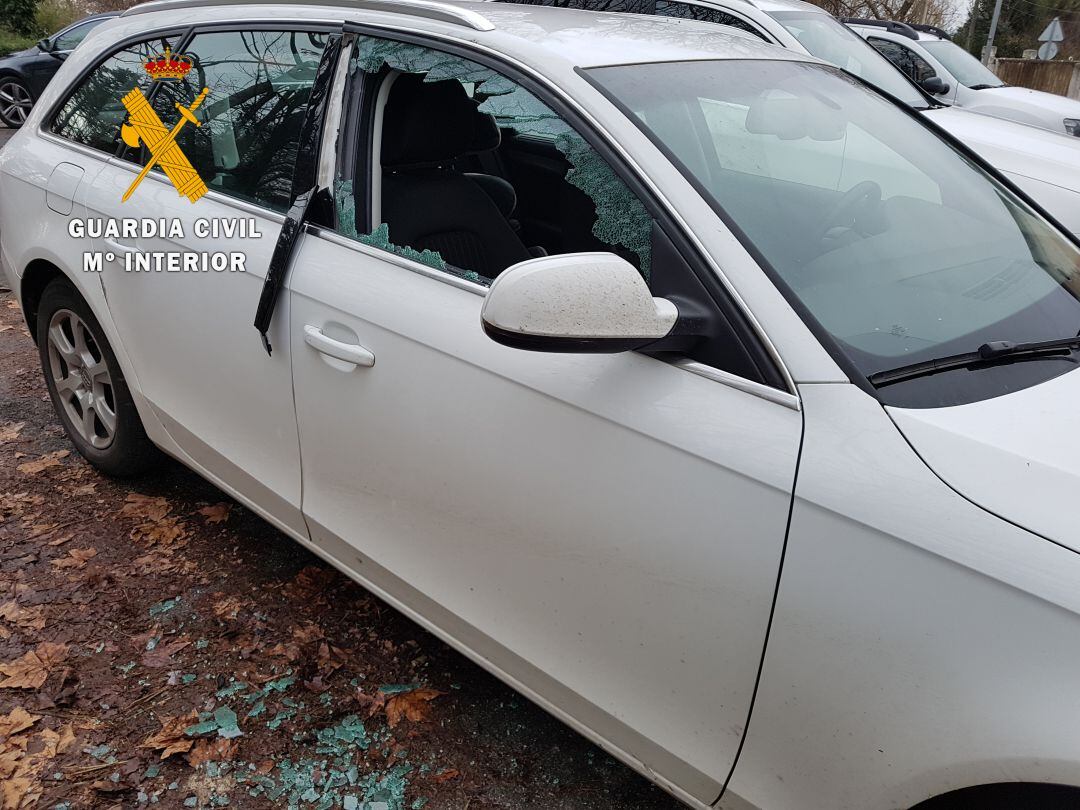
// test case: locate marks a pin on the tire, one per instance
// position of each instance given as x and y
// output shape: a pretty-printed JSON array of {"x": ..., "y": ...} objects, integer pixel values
[
  {"x": 15, "y": 101},
  {"x": 86, "y": 385}
]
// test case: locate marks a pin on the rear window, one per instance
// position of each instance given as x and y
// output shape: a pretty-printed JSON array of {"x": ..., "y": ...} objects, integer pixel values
[{"x": 93, "y": 113}]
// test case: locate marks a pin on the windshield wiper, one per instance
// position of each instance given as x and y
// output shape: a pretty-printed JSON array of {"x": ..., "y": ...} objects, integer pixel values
[
  {"x": 993, "y": 353},
  {"x": 984, "y": 86}
]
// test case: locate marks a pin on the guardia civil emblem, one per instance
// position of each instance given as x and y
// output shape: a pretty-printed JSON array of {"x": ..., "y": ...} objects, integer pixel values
[{"x": 145, "y": 128}]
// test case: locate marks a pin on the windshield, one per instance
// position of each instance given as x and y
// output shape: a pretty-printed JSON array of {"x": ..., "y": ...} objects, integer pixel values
[
  {"x": 826, "y": 38},
  {"x": 964, "y": 67},
  {"x": 899, "y": 247}
]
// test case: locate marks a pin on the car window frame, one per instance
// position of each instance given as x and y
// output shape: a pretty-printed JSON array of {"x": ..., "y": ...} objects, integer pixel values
[{"x": 773, "y": 381}]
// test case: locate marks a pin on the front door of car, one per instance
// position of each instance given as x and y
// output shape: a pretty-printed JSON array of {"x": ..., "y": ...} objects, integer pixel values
[
  {"x": 222, "y": 398},
  {"x": 604, "y": 531}
]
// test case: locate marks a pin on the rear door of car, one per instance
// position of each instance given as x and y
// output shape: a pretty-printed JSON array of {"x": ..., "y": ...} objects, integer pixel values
[
  {"x": 604, "y": 531},
  {"x": 222, "y": 398}
]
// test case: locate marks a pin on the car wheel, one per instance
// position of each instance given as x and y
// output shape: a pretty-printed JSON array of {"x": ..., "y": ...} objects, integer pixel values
[
  {"x": 87, "y": 387},
  {"x": 15, "y": 101}
]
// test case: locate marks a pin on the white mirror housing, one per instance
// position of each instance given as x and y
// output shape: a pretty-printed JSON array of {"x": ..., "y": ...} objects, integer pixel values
[{"x": 575, "y": 302}]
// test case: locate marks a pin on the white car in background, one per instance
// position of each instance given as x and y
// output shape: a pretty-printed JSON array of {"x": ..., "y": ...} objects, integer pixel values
[
  {"x": 566, "y": 347},
  {"x": 1044, "y": 164},
  {"x": 925, "y": 52}
]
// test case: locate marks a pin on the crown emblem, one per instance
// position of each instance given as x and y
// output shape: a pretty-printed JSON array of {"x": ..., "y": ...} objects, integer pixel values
[{"x": 168, "y": 66}]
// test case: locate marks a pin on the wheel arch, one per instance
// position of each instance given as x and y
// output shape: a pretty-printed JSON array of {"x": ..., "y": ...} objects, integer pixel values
[
  {"x": 37, "y": 276},
  {"x": 1006, "y": 796}
]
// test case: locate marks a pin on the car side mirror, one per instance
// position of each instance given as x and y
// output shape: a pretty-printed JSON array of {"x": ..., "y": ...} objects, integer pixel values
[
  {"x": 45, "y": 45},
  {"x": 935, "y": 86},
  {"x": 595, "y": 303}
]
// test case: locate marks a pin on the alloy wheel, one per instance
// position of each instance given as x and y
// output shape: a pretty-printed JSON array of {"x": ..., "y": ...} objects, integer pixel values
[
  {"x": 81, "y": 376},
  {"x": 15, "y": 102}
]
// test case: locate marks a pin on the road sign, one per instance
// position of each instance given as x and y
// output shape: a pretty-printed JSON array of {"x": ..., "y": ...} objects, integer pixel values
[{"x": 1053, "y": 32}]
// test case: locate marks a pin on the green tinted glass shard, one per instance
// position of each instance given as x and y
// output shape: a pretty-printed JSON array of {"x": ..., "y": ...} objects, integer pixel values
[
  {"x": 345, "y": 206},
  {"x": 380, "y": 238},
  {"x": 621, "y": 219}
]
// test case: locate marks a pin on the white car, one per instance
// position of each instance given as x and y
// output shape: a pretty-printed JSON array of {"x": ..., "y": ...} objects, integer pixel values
[
  {"x": 924, "y": 53},
  {"x": 562, "y": 347},
  {"x": 1044, "y": 164}
]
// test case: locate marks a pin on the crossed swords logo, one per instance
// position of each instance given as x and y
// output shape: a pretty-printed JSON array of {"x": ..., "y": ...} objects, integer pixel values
[{"x": 146, "y": 128}]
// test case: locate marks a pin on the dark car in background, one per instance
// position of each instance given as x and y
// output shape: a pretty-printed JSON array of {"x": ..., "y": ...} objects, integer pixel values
[{"x": 23, "y": 75}]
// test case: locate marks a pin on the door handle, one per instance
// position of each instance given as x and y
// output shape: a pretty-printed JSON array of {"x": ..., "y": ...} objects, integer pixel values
[
  {"x": 348, "y": 352},
  {"x": 120, "y": 247}
]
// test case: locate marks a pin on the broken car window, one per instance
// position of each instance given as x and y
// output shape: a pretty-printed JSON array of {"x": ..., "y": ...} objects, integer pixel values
[{"x": 460, "y": 185}]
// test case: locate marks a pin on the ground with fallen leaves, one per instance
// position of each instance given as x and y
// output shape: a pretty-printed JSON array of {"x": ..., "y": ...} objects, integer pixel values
[{"x": 161, "y": 645}]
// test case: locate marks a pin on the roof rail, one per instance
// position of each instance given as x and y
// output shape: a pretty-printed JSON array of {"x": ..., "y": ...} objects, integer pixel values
[
  {"x": 893, "y": 27},
  {"x": 930, "y": 29},
  {"x": 428, "y": 9}
]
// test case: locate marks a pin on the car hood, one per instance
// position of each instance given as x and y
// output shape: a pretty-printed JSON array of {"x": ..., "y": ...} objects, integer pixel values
[
  {"x": 1013, "y": 147},
  {"x": 1031, "y": 99},
  {"x": 33, "y": 50},
  {"x": 1016, "y": 455}
]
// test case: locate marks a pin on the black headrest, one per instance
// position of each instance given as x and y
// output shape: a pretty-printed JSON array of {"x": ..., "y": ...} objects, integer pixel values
[{"x": 429, "y": 123}]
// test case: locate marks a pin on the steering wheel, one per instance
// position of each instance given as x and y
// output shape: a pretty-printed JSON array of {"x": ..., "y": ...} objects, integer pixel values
[{"x": 862, "y": 196}]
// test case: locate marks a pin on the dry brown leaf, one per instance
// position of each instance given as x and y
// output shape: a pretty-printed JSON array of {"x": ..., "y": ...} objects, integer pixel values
[
  {"x": 21, "y": 765},
  {"x": 10, "y": 431},
  {"x": 11, "y": 754},
  {"x": 67, "y": 738},
  {"x": 18, "y": 719},
  {"x": 216, "y": 513},
  {"x": 414, "y": 705},
  {"x": 31, "y": 670},
  {"x": 85, "y": 489},
  {"x": 306, "y": 633},
  {"x": 211, "y": 750},
  {"x": 165, "y": 532},
  {"x": 45, "y": 462},
  {"x": 171, "y": 740},
  {"x": 59, "y": 541},
  {"x": 18, "y": 792},
  {"x": 144, "y": 507},
  {"x": 331, "y": 658},
  {"x": 446, "y": 776},
  {"x": 76, "y": 558},
  {"x": 228, "y": 608},
  {"x": 26, "y": 618}
]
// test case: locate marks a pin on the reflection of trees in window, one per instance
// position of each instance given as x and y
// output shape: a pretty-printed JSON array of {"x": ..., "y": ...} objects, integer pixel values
[
  {"x": 93, "y": 113},
  {"x": 625, "y": 6},
  {"x": 663, "y": 8},
  {"x": 685, "y": 11},
  {"x": 259, "y": 87}
]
